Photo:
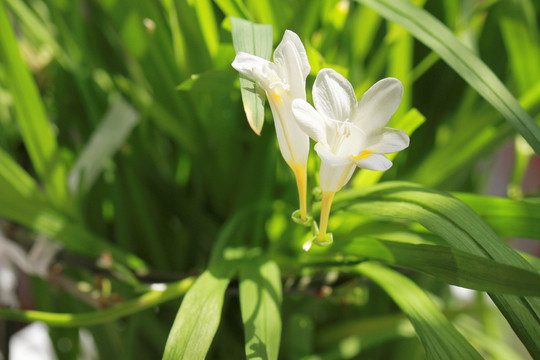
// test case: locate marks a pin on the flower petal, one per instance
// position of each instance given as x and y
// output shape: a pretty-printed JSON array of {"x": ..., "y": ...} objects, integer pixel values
[
  {"x": 378, "y": 104},
  {"x": 309, "y": 120},
  {"x": 327, "y": 156},
  {"x": 388, "y": 140},
  {"x": 333, "y": 95},
  {"x": 374, "y": 162},
  {"x": 294, "y": 40},
  {"x": 289, "y": 65},
  {"x": 333, "y": 177},
  {"x": 255, "y": 68}
]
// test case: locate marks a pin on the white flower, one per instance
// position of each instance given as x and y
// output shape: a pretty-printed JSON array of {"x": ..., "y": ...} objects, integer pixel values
[
  {"x": 283, "y": 81},
  {"x": 349, "y": 133}
]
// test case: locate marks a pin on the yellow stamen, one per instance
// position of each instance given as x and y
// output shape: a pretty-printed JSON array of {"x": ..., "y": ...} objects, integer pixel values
[
  {"x": 364, "y": 154},
  {"x": 327, "y": 198},
  {"x": 301, "y": 182}
]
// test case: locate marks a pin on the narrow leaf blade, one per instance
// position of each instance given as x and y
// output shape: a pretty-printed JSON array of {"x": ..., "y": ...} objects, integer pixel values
[
  {"x": 440, "y": 339},
  {"x": 260, "y": 302},
  {"x": 440, "y": 39},
  {"x": 253, "y": 39},
  {"x": 199, "y": 315}
]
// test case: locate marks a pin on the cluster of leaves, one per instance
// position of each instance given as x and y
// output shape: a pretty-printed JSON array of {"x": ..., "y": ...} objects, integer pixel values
[{"x": 129, "y": 146}]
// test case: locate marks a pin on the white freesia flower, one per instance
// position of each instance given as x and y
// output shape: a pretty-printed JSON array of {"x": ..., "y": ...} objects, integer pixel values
[
  {"x": 349, "y": 133},
  {"x": 283, "y": 81}
]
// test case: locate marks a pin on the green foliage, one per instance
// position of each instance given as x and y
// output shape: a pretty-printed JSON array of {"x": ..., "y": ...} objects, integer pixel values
[{"x": 126, "y": 138}]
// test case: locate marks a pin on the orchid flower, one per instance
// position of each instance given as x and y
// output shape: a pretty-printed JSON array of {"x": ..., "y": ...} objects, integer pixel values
[
  {"x": 349, "y": 133},
  {"x": 283, "y": 81}
]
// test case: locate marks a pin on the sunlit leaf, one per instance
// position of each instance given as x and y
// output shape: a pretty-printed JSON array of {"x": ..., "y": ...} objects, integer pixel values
[
  {"x": 199, "y": 315},
  {"x": 438, "y": 37},
  {"x": 36, "y": 130},
  {"x": 260, "y": 302},
  {"x": 254, "y": 39},
  {"x": 440, "y": 339}
]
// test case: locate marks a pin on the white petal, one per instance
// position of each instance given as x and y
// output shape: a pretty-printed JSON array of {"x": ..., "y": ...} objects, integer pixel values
[
  {"x": 327, "y": 156},
  {"x": 256, "y": 69},
  {"x": 293, "y": 39},
  {"x": 289, "y": 65},
  {"x": 333, "y": 177},
  {"x": 374, "y": 162},
  {"x": 309, "y": 120},
  {"x": 388, "y": 140},
  {"x": 293, "y": 142},
  {"x": 333, "y": 95},
  {"x": 378, "y": 104},
  {"x": 353, "y": 143}
]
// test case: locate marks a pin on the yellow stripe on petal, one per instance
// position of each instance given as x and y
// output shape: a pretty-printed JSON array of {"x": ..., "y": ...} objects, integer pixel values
[
  {"x": 364, "y": 154},
  {"x": 276, "y": 97}
]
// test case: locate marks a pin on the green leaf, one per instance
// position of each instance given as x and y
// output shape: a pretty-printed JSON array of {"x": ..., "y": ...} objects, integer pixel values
[
  {"x": 209, "y": 81},
  {"x": 36, "y": 130},
  {"x": 199, "y": 315},
  {"x": 440, "y": 339},
  {"x": 440, "y": 39},
  {"x": 463, "y": 229},
  {"x": 508, "y": 217},
  {"x": 451, "y": 265},
  {"x": 260, "y": 302},
  {"x": 22, "y": 202},
  {"x": 15, "y": 180},
  {"x": 253, "y": 39},
  {"x": 105, "y": 141}
]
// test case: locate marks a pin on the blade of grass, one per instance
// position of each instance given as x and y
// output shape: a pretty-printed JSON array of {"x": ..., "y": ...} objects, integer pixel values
[
  {"x": 440, "y": 339},
  {"x": 105, "y": 141},
  {"x": 450, "y": 265},
  {"x": 253, "y": 39},
  {"x": 199, "y": 315},
  {"x": 260, "y": 302},
  {"x": 438, "y": 37},
  {"x": 463, "y": 229},
  {"x": 508, "y": 217},
  {"x": 37, "y": 133}
]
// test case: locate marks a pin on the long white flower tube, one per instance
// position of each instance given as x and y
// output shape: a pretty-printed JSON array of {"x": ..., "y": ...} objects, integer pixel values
[
  {"x": 349, "y": 133},
  {"x": 284, "y": 80}
]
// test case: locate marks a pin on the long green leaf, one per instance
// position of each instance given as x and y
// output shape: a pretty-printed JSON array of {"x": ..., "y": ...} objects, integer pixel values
[
  {"x": 440, "y": 39},
  {"x": 106, "y": 139},
  {"x": 37, "y": 132},
  {"x": 260, "y": 302},
  {"x": 463, "y": 229},
  {"x": 22, "y": 202},
  {"x": 440, "y": 339},
  {"x": 253, "y": 39},
  {"x": 508, "y": 217},
  {"x": 199, "y": 315},
  {"x": 451, "y": 265}
]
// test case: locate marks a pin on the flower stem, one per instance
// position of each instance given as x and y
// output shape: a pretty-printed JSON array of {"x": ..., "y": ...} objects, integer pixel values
[
  {"x": 327, "y": 198},
  {"x": 301, "y": 183}
]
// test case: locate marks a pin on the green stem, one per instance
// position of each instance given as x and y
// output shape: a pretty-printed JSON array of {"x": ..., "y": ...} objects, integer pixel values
[{"x": 143, "y": 302}]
